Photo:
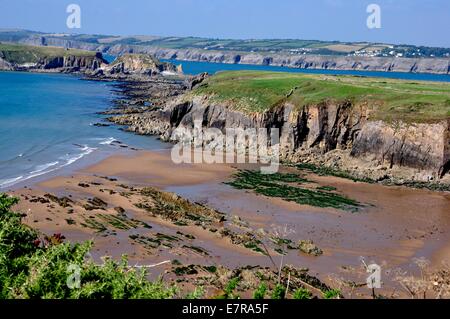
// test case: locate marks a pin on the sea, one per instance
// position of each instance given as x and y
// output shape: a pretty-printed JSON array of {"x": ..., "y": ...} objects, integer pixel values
[{"x": 47, "y": 121}]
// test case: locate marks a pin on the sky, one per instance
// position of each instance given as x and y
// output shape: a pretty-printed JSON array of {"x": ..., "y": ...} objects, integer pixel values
[{"x": 420, "y": 22}]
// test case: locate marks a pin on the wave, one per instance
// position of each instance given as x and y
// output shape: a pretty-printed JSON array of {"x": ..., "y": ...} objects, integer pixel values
[
  {"x": 48, "y": 167},
  {"x": 108, "y": 141},
  {"x": 86, "y": 150},
  {"x": 42, "y": 168},
  {"x": 104, "y": 141},
  {"x": 10, "y": 181}
]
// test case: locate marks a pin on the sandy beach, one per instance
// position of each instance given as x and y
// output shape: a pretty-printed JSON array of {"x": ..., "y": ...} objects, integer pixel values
[{"x": 104, "y": 202}]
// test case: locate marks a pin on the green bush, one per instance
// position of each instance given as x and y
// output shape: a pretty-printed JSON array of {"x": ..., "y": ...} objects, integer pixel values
[
  {"x": 228, "y": 291},
  {"x": 31, "y": 267},
  {"x": 260, "y": 293},
  {"x": 198, "y": 293},
  {"x": 332, "y": 294},
  {"x": 278, "y": 292},
  {"x": 302, "y": 293}
]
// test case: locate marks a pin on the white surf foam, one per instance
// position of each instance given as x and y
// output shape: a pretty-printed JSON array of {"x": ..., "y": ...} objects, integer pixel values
[
  {"x": 48, "y": 167},
  {"x": 108, "y": 141}
]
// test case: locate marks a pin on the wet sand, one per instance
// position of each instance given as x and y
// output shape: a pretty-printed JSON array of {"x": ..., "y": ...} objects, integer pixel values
[{"x": 395, "y": 225}]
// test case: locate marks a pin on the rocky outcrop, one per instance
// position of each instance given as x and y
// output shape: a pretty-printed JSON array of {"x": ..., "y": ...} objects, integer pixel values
[
  {"x": 139, "y": 64},
  {"x": 339, "y": 135}
]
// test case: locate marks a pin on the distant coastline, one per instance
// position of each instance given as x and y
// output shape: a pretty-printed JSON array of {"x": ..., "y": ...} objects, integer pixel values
[{"x": 331, "y": 56}]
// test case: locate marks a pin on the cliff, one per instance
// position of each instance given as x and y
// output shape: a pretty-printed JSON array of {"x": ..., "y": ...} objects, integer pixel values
[
  {"x": 334, "y": 135},
  {"x": 29, "y": 58},
  {"x": 343, "y": 133}
]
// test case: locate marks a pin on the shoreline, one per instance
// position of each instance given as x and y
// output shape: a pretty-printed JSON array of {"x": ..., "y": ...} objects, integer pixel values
[
  {"x": 444, "y": 77},
  {"x": 83, "y": 153}
]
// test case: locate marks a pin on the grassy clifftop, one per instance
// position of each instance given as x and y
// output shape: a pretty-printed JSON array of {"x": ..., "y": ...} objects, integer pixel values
[
  {"x": 19, "y": 54},
  {"x": 254, "y": 91}
]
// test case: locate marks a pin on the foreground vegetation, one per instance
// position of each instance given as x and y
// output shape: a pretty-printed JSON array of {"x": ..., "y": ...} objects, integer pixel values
[
  {"x": 254, "y": 91},
  {"x": 36, "y": 266},
  {"x": 32, "y": 266}
]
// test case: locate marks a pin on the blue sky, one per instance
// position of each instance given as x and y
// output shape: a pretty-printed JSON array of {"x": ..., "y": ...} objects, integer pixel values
[{"x": 423, "y": 22}]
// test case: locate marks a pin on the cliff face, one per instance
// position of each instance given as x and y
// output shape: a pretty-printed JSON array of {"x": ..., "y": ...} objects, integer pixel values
[
  {"x": 338, "y": 135},
  {"x": 63, "y": 63},
  {"x": 421, "y": 146},
  {"x": 72, "y": 62}
]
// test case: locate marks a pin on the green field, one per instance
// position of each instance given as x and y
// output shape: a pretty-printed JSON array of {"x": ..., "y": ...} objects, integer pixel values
[
  {"x": 254, "y": 91},
  {"x": 19, "y": 54}
]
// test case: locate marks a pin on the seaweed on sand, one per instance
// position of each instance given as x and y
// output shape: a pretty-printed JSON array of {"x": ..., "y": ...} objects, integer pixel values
[{"x": 288, "y": 187}]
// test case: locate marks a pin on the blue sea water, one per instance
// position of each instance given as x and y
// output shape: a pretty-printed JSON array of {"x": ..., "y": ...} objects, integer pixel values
[
  {"x": 46, "y": 124},
  {"x": 190, "y": 67}
]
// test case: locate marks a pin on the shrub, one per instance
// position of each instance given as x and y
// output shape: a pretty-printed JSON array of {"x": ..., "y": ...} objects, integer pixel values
[
  {"x": 228, "y": 291},
  {"x": 302, "y": 293},
  {"x": 332, "y": 294},
  {"x": 278, "y": 292},
  {"x": 198, "y": 293},
  {"x": 35, "y": 268},
  {"x": 260, "y": 293}
]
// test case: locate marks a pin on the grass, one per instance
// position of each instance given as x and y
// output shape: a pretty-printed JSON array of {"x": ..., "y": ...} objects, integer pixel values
[
  {"x": 20, "y": 54},
  {"x": 276, "y": 186},
  {"x": 302, "y": 294},
  {"x": 388, "y": 99}
]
